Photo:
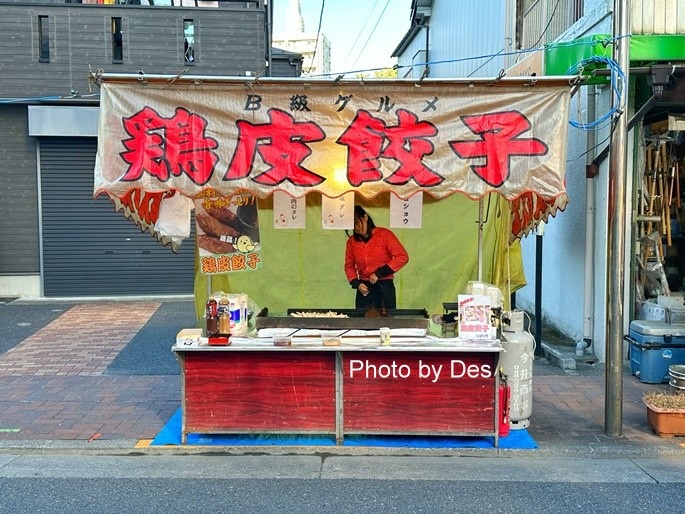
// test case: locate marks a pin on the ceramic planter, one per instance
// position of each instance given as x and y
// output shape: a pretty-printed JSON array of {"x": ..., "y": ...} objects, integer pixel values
[{"x": 666, "y": 422}]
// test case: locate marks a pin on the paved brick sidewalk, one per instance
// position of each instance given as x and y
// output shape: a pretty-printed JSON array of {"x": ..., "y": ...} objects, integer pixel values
[
  {"x": 54, "y": 386},
  {"x": 83, "y": 341},
  {"x": 569, "y": 411},
  {"x": 86, "y": 408}
]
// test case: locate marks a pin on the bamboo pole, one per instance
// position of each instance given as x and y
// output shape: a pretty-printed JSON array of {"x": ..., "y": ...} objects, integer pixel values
[
  {"x": 652, "y": 185},
  {"x": 660, "y": 183},
  {"x": 677, "y": 184}
]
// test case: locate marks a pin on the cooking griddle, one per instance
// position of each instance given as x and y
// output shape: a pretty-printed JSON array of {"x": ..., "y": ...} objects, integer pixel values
[{"x": 356, "y": 319}]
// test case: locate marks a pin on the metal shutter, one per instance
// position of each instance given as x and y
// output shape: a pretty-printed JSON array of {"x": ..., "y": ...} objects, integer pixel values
[{"x": 90, "y": 250}]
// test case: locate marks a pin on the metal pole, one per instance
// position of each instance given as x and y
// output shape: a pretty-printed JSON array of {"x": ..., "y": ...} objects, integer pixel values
[
  {"x": 589, "y": 275},
  {"x": 269, "y": 31},
  {"x": 480, "y": 240},
  {"x": 538, "y": 289},
  {"x": 613, "y": 401}
]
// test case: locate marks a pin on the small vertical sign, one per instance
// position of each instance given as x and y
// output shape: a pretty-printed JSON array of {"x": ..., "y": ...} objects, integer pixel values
[
  {"x": 289, "y": 212},
  {"x": 474, "y": 317},
  {"x": 338, "y": 213},
  {"x": 406, "y": 213}
]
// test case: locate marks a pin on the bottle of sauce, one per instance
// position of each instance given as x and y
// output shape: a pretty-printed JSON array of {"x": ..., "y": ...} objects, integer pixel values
[
  {"x": 224, "y": 316},
  {"x": 211, "y": 318}
]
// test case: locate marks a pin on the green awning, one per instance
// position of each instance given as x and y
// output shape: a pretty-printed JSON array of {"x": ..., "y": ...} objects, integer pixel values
[{"x": 644, "y": 49}]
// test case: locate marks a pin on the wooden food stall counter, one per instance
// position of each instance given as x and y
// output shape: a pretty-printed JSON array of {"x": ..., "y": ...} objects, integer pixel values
[{"x": 425, "y": 386}]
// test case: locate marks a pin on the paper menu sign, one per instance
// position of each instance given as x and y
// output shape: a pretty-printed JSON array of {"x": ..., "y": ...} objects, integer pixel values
[
  {"x": 474, "y": 317},
  {"x": 289, "y": 212},
  {"x": 406, "y": 213},
  {"x": 338, "y": 213}
]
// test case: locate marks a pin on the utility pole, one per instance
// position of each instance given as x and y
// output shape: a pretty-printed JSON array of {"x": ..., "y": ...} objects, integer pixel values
[{"x": 613, "y": 400}]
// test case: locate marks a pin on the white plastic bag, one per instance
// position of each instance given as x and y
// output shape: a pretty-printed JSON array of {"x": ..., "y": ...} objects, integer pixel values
[{"x": 174, "y": 217}]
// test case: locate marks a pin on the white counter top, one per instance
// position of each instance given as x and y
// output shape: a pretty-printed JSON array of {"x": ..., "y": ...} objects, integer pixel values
[{"x": 353, "y": 343}]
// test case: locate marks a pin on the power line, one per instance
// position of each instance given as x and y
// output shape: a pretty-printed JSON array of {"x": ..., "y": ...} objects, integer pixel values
[
  {"x": 590, "y": 149},
  {"x": 605, "y": 41},
  {"x": 372, "y": 32},
  {"x": 347, "y": 57},
  {"x": 318, "y": 33},
  {"x": 490, "y": 59}
]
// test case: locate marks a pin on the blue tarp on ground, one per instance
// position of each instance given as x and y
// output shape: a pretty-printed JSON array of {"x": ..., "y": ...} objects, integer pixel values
[{"x": 171, "y": 435}]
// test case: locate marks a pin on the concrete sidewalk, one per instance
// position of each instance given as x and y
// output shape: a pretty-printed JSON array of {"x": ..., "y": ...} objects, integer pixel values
[{"x": 100, "y": 376}]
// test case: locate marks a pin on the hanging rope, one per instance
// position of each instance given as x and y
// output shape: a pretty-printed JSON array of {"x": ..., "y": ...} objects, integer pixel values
[{"x": 618, "y": 85}]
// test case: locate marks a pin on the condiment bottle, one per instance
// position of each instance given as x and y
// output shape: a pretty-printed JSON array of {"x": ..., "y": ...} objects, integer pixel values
[
  {"x": 224, "y": 316},
  {"x": 211, "y": 315}
]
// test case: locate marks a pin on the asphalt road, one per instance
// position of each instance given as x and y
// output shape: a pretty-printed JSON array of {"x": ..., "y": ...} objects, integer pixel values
[
  {"x": 153, "y": 342},
  {"x": 316, "y": 484},
  {"x": 19, "y": 320}
]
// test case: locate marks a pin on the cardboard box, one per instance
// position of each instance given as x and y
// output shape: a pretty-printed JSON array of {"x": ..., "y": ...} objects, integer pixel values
[{"x": 189, "y": 337}]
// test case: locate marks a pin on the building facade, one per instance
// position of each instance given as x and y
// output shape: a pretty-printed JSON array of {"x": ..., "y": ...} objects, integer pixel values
[
  {"x": 314, "y": 48},
  {"x": 533, "y": 37},
  {"x": 57, "y": 240}
]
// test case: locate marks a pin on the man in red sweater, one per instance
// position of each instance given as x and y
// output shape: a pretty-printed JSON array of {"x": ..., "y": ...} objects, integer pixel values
[{"x": 372, "y": 257}]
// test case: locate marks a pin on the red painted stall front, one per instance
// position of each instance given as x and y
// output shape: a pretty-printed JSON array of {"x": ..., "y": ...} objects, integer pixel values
[
  {"x": 414, "y": 390},
  {"x": 418, "y": 393}
]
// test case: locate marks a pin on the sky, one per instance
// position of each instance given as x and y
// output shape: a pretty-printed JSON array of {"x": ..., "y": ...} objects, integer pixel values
[{"x": 362, "y": 33}]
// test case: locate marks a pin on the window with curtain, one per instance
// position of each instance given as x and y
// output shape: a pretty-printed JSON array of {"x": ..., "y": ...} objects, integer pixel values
[{"x": 188, "y": 42}]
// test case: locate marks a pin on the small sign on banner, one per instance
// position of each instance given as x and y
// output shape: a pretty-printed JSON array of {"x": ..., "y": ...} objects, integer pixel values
[
  {"x": 474, "y": 316},
  {"x": 289, "y": 212},
  {"x": 338, "y": 213},
  {"x": 406, "y": 213}
]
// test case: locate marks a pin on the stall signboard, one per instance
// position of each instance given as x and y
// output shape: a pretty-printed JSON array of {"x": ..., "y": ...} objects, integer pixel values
[{"x": 217, "y": 138}]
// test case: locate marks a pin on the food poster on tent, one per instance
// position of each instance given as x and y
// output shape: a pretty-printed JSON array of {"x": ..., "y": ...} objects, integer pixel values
[{"x": 228, "y": 234}]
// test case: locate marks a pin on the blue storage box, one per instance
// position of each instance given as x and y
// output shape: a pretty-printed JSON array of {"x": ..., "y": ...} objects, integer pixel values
[{"x": 654, "y": 346}]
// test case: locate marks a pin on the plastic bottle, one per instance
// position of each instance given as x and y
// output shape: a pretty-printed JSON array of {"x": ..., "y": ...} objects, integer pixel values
[
  {"x": 224, "y": 316},
  {"x": 234, "y": 312},
  {"x": 212, "y": 319},
  {"x": 243, "y": 314}
]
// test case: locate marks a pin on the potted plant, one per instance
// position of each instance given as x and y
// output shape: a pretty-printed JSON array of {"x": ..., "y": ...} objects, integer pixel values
[{"x": 666, "y": 413}]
